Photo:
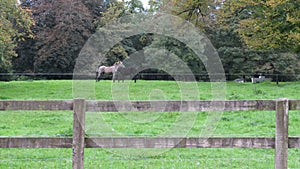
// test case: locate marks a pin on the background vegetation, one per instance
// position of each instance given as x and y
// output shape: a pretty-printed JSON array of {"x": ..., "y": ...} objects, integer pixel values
[{"x": 46, "y": 36}]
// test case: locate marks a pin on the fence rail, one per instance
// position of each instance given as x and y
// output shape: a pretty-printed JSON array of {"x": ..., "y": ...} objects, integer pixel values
[
  {"x": 148, "y": 106},
  {"x": 146, "y": 142},
  {"x": 79, "y": 141}
]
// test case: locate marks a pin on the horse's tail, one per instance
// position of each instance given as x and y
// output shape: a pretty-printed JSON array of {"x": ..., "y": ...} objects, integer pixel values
[{"x": 97, "y": 73}]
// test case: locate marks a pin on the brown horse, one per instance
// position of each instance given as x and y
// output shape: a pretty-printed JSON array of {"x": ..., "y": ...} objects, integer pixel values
[{"x": 111, "y": 69}]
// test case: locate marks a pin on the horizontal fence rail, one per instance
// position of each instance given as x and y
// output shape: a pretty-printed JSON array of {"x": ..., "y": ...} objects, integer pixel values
[
  {"x": 79, "y": 141},
  {"x": 146, "y": 142},
  {"x": 150, "y": 106}
]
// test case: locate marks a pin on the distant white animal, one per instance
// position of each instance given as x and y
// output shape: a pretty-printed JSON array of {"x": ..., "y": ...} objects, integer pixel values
[
  {"x": 111, "y": 69},
  {"x": 260, "y": 79},
  {"x": 240, "y": 80}
]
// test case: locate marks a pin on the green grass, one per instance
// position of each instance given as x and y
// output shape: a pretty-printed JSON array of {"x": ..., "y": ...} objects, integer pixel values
[
  {"x": 143, "y": 90},
  {"x": 230, "y": 124}
]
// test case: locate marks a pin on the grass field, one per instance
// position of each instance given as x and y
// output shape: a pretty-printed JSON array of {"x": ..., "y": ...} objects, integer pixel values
[{"x": 239, "y": 124}]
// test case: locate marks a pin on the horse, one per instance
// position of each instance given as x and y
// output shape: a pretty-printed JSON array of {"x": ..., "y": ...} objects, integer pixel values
[{"x": 111, "y": 69}]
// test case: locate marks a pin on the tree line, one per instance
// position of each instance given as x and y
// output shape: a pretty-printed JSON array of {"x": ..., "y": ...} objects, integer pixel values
[{"x": 251, "y": 37}]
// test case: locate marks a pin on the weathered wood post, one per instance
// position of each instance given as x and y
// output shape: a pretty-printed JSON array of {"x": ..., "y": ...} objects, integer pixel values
[
  {"x": 79, "y": 107},
  {"x": 281, "y": 138}
]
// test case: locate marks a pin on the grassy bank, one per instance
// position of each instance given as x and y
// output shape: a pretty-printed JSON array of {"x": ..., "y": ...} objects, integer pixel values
[
  {"x": 62, "y": 89},
  {"x": 231, "y": 124}
]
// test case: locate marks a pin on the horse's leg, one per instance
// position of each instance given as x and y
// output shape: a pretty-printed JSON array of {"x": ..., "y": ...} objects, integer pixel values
[
  {"x": 114, "y": 76},
  {"x": 121, "y": 78},
  {"x": 98, "y": 76},
  {"x": 118, "y": 77}
]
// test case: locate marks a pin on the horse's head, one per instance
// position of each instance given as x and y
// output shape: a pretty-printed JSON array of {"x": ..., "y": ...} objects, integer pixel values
[{"x": 119, "y": 64}]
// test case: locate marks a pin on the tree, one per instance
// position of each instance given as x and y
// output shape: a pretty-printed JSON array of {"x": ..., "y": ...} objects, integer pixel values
[
  {"x": 62, "y": 28},
  {"x": 154, "y": 5},
  {"x": 224, "y": 37},
  {"x": 117, "y": 9},
  {"x": 265, "y": 24},
  {"x": 173, "y": 49},
  {"x": 201, "y": 13},
  {"x": 134, "y": 6},
  {"x": 114, "y": 14},
  {"x": 15, "y": 23}
]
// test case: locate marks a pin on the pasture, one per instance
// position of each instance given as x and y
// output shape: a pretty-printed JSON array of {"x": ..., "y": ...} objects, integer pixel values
[{"x": 246, "y": 124}]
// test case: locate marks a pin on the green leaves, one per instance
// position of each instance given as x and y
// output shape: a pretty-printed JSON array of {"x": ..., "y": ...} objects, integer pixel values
[
  {"x": 64, "y": 26},
  {"x": 200, "y": 13},
  {"x": 15, "y": 24},
  {"x": 244, "y": 61},
  {"x": 265, "y": 24}
]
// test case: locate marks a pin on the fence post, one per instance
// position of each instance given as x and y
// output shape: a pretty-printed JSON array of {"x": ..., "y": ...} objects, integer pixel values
[
  {"x": 281, "y": 138},
  {"x": 79, "y": 107}
]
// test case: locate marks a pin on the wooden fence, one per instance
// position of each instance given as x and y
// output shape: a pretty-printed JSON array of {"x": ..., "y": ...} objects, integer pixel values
[{"x": 78, "y": 142}]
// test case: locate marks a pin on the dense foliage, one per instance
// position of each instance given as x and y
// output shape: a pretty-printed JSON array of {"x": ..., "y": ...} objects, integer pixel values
[
  {"x": 15, "y": 23},
  {"x": 251, "y": 37},
  {"x": 62, "y": 28},
  {"x": 270, "y": 29},
  {"x": 265, "y": 24}
]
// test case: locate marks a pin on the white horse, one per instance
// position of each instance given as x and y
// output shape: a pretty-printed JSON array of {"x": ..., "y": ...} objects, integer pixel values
[{"x": 111, "y": 69}]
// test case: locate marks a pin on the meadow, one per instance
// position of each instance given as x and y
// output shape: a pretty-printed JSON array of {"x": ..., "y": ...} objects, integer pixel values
[{"x": 231, "y": 124}]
